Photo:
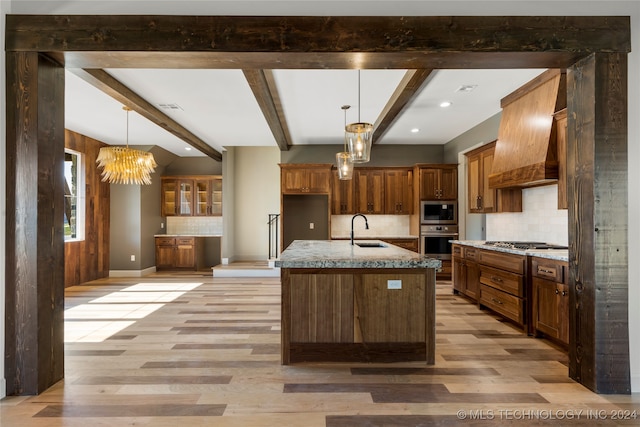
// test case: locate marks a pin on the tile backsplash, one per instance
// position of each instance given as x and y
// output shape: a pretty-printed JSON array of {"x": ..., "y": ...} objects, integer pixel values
[
  {"x": 540, "y": 219},
  {"x": 379, "y": 226},
  {"x": 194, "y": 225}
]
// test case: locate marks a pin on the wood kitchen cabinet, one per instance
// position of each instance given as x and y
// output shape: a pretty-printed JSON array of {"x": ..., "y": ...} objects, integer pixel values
[
  {"x": 466, "y": 273},
  {"x": 439, "y": 182},
  {"x": 342, "y": 195},
  {"x": 481, "y": 198},
  {"x": 370, "y": 185},
  {"x": 179, "y": 253},
  {"x": 305, "y": 178},
  {"x": 502, "y": 284},
  {"x": 398, "y": 192},
  {"x": 408, "y": 243},
  {"x": 561, "y": 145},
  {"x": 550, "y": 312},
  {"x": 191, "y": 195}
]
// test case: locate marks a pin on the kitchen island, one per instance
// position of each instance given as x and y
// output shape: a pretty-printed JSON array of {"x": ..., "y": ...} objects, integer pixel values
[{"x": 347, "y": 303}]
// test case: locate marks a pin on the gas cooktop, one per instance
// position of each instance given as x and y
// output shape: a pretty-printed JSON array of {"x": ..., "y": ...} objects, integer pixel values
[{"x": 524, "y": 245}]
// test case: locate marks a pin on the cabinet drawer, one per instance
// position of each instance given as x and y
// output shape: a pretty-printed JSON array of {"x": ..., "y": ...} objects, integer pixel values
[
  {"x": 456, "y": 251},
  {"x": 471, "y": 254},
  {"x": 502, "y": 280},
  {"x": 505, "y": 261},
  {"x": 165, "y": 241},
  {"x": 185, "y": 241},
  {"x": 548, "y": 269},
  {"x": 501, "y": 302}
]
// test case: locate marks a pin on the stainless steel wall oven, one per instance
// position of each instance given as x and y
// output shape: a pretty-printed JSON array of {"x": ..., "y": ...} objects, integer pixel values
[{"x": 435, "y": 240}]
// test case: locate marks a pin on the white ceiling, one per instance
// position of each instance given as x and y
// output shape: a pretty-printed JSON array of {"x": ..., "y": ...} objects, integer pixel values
[{"x": 218, "y": 106}]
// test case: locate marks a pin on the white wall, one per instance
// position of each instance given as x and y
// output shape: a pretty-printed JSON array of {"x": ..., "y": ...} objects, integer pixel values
[
  {"x": 540, "y": 219},
  {"x": 257, "y": 186},
  {"x": 395, "y": 8}
]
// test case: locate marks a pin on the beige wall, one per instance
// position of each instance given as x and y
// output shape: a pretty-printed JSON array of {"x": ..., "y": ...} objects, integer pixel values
[{"x": 257, "y": 194}]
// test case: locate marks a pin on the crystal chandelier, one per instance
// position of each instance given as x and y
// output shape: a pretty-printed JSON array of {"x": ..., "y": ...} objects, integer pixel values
[
  {"x": 124, "y": 165},
  {"x": 359, "y": 136},
  {"x": 344, "y": 162}
]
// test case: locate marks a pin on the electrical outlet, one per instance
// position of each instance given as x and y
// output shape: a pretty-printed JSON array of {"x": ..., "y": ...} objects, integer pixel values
[
  {"x": 162, "y": 225},
  {"x": 311, "y": 226},
  {"x": 394, "y": 284},
  {"x": 133, "y": 257}
]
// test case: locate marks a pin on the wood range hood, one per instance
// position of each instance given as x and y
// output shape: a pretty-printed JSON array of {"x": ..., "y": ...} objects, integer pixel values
[{"x": 526, "y": 149}]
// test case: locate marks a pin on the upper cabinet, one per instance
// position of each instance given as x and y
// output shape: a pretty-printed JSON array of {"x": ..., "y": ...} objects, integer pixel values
[
  {"x": 193, "y": 195},
  {"x": 439, "y": 182},
  {"x": 369, "y": 190},
  {"x": 305, "y": 178},
  {"x": 482, "y": 198},
  {"x": 398, "y": 194},
  {"x": 561, "y": 141},
  {"x": 342, "y": 195}
]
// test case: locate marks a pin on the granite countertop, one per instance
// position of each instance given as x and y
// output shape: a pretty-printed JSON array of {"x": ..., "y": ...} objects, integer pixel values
[
  {"x": 187, "y": 235},
  {"x": 375, "y": 237},
  {"x": 557, "y": 254},
  {"x": 340, "y": 254}
]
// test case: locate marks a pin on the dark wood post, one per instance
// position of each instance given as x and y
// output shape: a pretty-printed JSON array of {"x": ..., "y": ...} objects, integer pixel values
[
  {"x": 598, "y": 223},
  {"x": 34, "y": 358}
]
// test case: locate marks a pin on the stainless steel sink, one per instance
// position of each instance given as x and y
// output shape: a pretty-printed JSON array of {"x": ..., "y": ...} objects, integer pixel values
[{"x": 371, "y": 245}]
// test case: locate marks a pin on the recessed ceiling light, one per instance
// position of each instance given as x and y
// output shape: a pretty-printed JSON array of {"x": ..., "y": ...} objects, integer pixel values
[
  {"x": 466, "y": 88},
  {"x": 445, "y": 104},
  {"x": 415, "y": 130},
  {"x": 187, "y": 148}
]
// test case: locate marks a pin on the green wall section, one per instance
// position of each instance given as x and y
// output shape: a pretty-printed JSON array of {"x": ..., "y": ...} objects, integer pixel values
[{"x": 381, "y": 155}]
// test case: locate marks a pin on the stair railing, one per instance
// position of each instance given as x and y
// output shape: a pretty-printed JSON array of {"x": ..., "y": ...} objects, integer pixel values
[{"x": 274, "y": 232}]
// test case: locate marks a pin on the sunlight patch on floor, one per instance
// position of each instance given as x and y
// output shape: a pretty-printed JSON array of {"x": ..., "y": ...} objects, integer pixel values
[{"x": 105, "y": 316}]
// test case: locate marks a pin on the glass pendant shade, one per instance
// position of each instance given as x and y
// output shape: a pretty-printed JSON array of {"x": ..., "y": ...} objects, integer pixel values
[
  {"x": 344, "y": 165},
  {"x": 359, "y": 137}
]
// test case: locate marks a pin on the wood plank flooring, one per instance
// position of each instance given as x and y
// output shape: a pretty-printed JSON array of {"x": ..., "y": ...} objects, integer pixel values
[{"x": 192, "y": 350}]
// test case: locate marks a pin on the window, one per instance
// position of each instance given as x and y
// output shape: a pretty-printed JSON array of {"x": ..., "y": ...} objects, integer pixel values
[{"x": 73, "y": 196}]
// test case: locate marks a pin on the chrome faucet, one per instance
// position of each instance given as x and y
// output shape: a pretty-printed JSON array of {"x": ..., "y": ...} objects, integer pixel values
[{"x": 366, "y": 224}]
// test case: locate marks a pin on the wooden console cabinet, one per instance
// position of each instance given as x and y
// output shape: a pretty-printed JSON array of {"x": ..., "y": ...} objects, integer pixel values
[{"x": 179, "y": 253}]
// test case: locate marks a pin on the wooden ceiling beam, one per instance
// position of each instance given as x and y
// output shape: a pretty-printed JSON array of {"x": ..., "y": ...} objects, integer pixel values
[
  {"x": 264, "y": 88},
  {"x": 409, "y": 87},
  {"x": 121, "y": 93}
]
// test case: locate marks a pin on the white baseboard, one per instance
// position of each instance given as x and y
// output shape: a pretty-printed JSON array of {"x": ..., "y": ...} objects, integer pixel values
[
  {"x": 132, "y": 273},
  {"x": 635, "y": 384},
  {"x": 3, "y": 388}
]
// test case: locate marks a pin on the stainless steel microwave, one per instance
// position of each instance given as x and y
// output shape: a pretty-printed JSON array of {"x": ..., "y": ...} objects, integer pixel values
[{"x": 434, "y": 212}]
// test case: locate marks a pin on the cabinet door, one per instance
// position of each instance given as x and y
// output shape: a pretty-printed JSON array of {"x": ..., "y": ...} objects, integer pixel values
[
  {"x": 429, "y": 184},
  {"x": 185, "y": 197},
  {"x": 448, "y": 184},
  {"x": 474, "y": 182},
  {"x": 318, "y": 180},
  {"x": 545, "y": 307},
  {"x": 185, "y": 254},
  {"x": 215, "y": 197},
  {"x": 563, "y": 312},
  {"x": 370, "y": 191},
  {"x": 459, "y": 275},
  {"x": 201, "y": 202},
  {"x": 398, "y": 192},
  {"x": 342, "y": 195},
  {"x": 293, "y": 180},
  {"x": 164, "y": 256},
  {"x": 472, "y": 285},
  {"x": 169, "y": 197},
  {"x": 488, "y": 201}
]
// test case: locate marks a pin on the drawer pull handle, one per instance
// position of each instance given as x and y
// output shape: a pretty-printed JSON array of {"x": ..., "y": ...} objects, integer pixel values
[
  {"x": 544, "y": 270},
  {"x": 497, "y": 301},
  {"x": 496, "y": 279}
]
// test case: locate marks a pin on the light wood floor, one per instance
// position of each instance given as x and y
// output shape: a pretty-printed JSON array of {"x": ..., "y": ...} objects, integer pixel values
[{"x": 191, "y": 350}]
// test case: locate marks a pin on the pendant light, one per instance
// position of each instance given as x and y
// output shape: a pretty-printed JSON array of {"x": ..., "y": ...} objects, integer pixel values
[
  {"x": 344, "y": 162},
  {"x": 359, "y": 136},
  {"x": 124, "y": 165}
]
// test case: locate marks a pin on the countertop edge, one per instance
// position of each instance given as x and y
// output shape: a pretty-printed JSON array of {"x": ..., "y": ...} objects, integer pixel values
[{"x": 557, "y": 254}]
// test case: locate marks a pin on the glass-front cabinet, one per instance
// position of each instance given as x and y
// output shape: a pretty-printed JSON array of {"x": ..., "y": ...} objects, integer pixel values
[{"x": 192, "y": 195}]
